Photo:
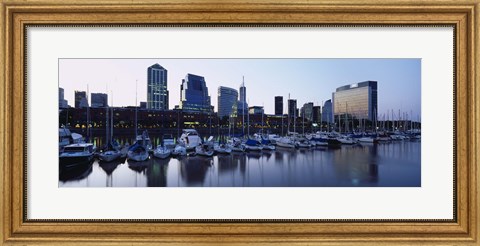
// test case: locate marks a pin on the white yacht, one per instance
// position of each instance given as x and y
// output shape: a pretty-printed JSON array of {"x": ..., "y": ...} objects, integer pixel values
[
  {"x": 286, "y": 142},
  {"x": 190, "y": 139}
]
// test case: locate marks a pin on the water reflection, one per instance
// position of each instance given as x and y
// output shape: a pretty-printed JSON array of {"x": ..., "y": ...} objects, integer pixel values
[
  {"x": 157, "y": 173},
  {"x": 75, "y": 173},
  {"x": 194, "y": 169},
  {"x": 394, "y": 164}
]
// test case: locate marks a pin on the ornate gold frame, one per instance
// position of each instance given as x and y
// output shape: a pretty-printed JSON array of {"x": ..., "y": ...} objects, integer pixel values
[{"x": 16, "y": 14}]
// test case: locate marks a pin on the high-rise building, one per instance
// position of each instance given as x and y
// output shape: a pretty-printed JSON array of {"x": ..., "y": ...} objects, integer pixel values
[
  {"x": 242, "y": 105},
  {"x": 227, "y": 98},
  {"x": 327, "y": 113},
  {"x": 278, "y": 105},
  {"x": 157, "y": 93},
  {"x": 317, "y": 114},
  {"x": 62, "y": 103},
  {"x": 307, "y": 111},
  {"x": 99, "y": 100},
  {"x": 292, "y": 108},
  {"x": 194, "y": 94},
  {"x": 356, "y": 100},
  {"x": 81, "y": 99}
]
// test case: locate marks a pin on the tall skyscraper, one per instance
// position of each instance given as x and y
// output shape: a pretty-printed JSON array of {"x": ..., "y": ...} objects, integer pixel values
[
  {"x": 317, "y": 114},
  {"x": 278, "y": 105},
  {"x": 356, "y": 100},
  {"x": 307, "y": 111},
  {"x": 327, "y": 113},
  {"x": 99, "y": 100},
  {"x": 81, "y": 99},
  {"x": 242, "y": 105},
  {"x": 194, "y": 94},
  {"x": 62, "y": 103},
  {"x": 292, "y": 108},
  {"x": 157, "y": 93},
  {"x": 227, "y": 98}
]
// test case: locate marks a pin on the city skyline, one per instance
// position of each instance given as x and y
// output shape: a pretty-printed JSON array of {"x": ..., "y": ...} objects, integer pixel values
[{"x": 306, "y": 80}]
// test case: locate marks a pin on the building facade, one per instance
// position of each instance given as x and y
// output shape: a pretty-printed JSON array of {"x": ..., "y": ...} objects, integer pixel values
[
  {"x": 194, "y": 94},
  {"x": 62, "y": 103},
  {"x": 317, "y": 114},
  {"x": 81, "y": 99},
  {"x": 255, "y": 110},
  {"x": 307, "y": 111},
  {"x": 99, "y": 100},
  {"x": 242, "y": 105},
  {"x": 278, "y": 105},
  {"x": 356, "y": 101},
  {"x": 157, "y": 92},
  {"x": 327, "y": 112},
  {"x": 292, "y": 108},
  {"x": 227, "y": 98}
]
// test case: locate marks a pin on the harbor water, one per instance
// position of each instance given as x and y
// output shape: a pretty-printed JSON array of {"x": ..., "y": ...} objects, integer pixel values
[{"x": 391, "y": 164}]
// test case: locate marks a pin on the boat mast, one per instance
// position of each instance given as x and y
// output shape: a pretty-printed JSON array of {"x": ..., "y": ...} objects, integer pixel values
[
  {"x": 243, "y": 109},
  {"x": 282, "y": 124},
  {"x": 111, "y": 115},
  {"x": 294, "y": 120},
  {"x": 136, "y": 123},
  {"x": 88, "y": 116},
  {"x": 303, "y": 121},
  {"x": 288, "y": 114},
  {"x": 263, "y": 111},
  {"x": 107, "y": 121},
  {"x": 248, "y": 122}
]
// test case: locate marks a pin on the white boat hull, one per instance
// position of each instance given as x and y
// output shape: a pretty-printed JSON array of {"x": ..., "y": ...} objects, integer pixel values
[
  {"x": 268, "y": 147},
  {"x": 238, "y": 149},
  {"x": 253, "y": 147},
  {"x": 179, "y": 151},
  {"x": 200, "y": 150},
  {"x": 223, "y": 151},
  {"x": 161, "y": 153},
  {"x": 285, "y": 145},
  {"x": 346, "y": 141},
  {"x": 366, "y": 140}
]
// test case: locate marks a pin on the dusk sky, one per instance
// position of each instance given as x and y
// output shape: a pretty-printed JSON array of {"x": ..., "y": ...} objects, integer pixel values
[{"x": 307, "y": 80}]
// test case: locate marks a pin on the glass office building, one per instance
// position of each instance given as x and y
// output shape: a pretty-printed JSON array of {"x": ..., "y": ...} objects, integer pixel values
[
  {"x": 99, "y": 100},
  {"x": 242, "y": 105},
  {"x": 157, "y": 93},
  {"x": 81, "y": 99},
  {"x": 359, "y": 101},
  {"x": 292, "y": 108},
  {"x": 278, "y": 105},
  {"x": 317, "y": 114},
  {"x": 327, "y": 115},
  {"x": 194, "y": 94},
  {"x": 307, "y": 111},
  {"x": 227, "y": 98},
  {"x": 62, "y": 103}
]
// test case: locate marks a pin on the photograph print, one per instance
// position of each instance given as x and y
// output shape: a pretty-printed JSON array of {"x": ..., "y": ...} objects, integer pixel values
[{"x": 239, "y": 122}]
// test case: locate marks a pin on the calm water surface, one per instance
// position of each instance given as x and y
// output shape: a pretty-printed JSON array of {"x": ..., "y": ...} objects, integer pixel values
[{"x": 395, "y": 164}]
